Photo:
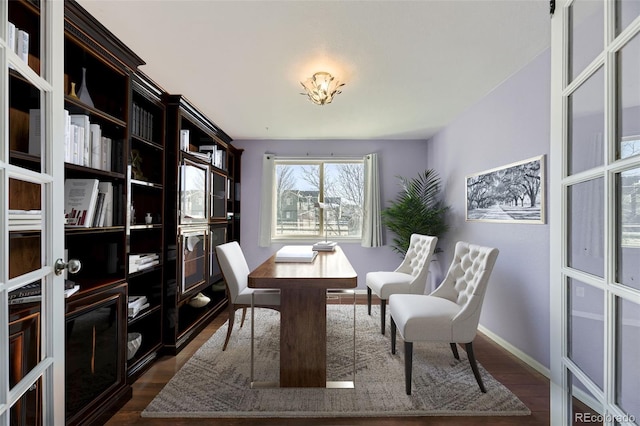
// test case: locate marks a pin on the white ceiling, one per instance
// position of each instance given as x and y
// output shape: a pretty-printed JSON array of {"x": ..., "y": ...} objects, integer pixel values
[{"x": 409, "y": 67}]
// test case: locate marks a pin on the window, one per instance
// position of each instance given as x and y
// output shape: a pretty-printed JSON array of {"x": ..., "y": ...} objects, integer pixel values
[{"x": 301, "y": 187}]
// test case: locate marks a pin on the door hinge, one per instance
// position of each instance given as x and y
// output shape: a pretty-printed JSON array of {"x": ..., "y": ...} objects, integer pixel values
[{"x": 552, "y": 6}]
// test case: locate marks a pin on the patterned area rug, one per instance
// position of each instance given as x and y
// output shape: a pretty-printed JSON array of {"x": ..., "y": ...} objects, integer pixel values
[{"x": 214, "y": 383}]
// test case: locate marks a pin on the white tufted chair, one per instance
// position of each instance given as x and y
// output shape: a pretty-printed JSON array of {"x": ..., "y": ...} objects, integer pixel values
[
  {"x": 451, "y": 312},
  {"x": 235, "y": 272},
  {"x": 409, "y": 278}
]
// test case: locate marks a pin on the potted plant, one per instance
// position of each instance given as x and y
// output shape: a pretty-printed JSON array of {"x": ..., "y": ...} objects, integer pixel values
[{"x": 417, "y": 209}]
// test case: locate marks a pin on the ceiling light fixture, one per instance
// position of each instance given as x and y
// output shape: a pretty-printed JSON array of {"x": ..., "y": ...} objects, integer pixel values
[{"x": 321, "y": 88}]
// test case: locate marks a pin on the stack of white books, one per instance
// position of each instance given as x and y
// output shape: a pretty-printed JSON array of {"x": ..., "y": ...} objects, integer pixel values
[
  {"x": 136, "y": 305},
  {"x": 25, "y": 220},
  {"x": 303, "y": 254},
  {"x": 18, "y": 41},
  {"x": 139, "y": 262},
  {"x": 325, "y": 246}
]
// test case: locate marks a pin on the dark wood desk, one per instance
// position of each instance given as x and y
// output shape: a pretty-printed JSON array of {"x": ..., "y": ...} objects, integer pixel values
[{"x": 303, "y": 312}]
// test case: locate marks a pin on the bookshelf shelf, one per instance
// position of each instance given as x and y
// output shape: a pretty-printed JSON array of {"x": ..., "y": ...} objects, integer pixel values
[
  {"x": 145, "y": 187},
  {"x": 148, "y": 142},
  {"x": 145, "y": 183},
  {"x": 90, "y": 171},
  {"x": 144, "y": 314},
  {"x": 77, "y": 107}
]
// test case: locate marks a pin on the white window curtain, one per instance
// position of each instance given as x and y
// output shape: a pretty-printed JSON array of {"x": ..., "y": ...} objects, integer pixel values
[
  {"x": 372, "y": 223},
  {"x": 266, "y": 202}
]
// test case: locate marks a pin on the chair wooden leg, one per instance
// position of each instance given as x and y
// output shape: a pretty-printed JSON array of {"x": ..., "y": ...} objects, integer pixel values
[
  {"x": 394, "y": 327},
  {"x": 369, "y": 300},
  {"x": 232, "y": 317},
  {"x": 244, "y": 315},
  {"x": 454, "y": 349},
  {"x": 408, "y": 361},
  {"x": 383, "y": 314},
  {"x": 474, "y": 365}
]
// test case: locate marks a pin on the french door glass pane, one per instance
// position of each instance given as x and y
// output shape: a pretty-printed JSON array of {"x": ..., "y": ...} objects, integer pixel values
[
  {"x": 25, "y": 122},
  {"x": 24, "y": 353},
  {"x": 586, "y": 329},
  {"x": 24, "y": 20},
  {"x": 586, "y": 34},
  {"x": 25, "y": 227},
  {"x": 628, "y": 238},
  {"x": 629, "y": 98},
  {"x": 626, "y": 11},
  {"x": 586, "y": 125},
  {"x": 586, "y": 227},
  {"x": 627, "y": 366},
  {"x": 581, "y": 401}
]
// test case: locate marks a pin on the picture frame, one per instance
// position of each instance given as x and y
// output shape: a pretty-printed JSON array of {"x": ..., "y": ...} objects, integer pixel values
[{"x": 514, "y": 193}]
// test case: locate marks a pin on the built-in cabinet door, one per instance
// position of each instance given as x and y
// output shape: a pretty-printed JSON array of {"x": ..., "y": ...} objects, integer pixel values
[
  {"x": 595, "y": 212},
  {"x": 31, "y": 211}
]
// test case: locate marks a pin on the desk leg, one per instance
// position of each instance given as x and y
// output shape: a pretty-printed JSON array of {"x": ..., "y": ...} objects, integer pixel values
[{"x": 303, "y": 337}]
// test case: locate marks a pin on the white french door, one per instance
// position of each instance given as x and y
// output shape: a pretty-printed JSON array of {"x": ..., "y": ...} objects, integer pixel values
[
  {"x": 595, "y": 212},
  {"x": 31, "y": 215}
]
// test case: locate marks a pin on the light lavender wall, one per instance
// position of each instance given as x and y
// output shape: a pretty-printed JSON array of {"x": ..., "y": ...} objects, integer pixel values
[
  {"x": 508, "y": 125},
  {"x": 396, "y": 158}
]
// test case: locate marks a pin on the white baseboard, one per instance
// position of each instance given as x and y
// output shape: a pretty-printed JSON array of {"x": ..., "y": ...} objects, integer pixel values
[{"x": 516, "y": 352}]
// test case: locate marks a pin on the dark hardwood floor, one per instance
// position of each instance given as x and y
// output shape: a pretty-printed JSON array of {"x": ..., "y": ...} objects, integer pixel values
[{"x": 529, "y": 385}]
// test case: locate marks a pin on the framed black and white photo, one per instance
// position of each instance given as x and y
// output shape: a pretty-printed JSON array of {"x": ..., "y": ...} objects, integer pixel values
[{"x": 508, "y": 194}]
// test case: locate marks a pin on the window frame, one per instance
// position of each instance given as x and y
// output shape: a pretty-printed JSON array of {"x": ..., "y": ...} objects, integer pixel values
[{"x": 321, "y": 162}]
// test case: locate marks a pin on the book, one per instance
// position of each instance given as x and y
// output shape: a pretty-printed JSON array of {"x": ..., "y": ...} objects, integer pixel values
[
  {"x": 33, "y": 292},
  {"x": 106, "y": 188},
  {"x": 134, "y": 311},
  {"x": 143, "y": 257},
  {"x": 135, "y": 122},
  {"x": 23, "y": 45},
  {"x": 25, "y": 214},
  {"x": 135, "y": 267},
  {"x": 96, "y": 146},
  {"x": 67, "y": 137},
  {"x": 11, "y": 37},
  {"x": 31, "y": 289},
  {"x": 324, "y": 246},
  {"x": 38, "y": 297},
  {"x": 138, "y": 262},
  {"x": 184, "y": 139},
  {"x": 136, "y": 300},
  {"x": 83, "y": 139},
  {"x": 35, "y": 131},
  {"x": 80, "y": 197},
  {"x": 98, "y": 214},
  {"x": 106, "y": 154},
  {"x": 303, "y": 254},
  {"x": 77, "y": 135},
  {"x": 135, "y": 304},
  {"x": 31, "y": 221}
]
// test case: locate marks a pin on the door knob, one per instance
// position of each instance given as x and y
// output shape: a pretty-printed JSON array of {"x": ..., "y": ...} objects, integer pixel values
[{"x": 73, "y": 266}]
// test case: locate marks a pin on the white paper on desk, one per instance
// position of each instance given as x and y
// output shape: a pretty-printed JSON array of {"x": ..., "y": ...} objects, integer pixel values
[{"x": 296, "y": 254}]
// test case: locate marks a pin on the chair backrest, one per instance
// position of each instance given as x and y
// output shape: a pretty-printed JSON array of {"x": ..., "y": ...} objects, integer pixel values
[
  {"x": 466, "y": 283},
  {"x": 233, "y": 265},
  {"x": 417, "y": 259}
]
